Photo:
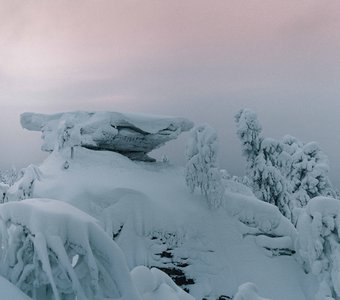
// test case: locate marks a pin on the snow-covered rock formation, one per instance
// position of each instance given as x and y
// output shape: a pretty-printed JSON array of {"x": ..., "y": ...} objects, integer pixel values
[{"x": 133, "y": 135}]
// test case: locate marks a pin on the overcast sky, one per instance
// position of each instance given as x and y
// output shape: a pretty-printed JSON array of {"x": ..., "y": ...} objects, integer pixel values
[{"x": 203, "y": 60}]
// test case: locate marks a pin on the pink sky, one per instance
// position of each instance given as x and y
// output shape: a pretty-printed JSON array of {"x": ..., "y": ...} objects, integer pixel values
[
  {"x": 281, "y": 58},
  {"x": 54, "y": 43}
]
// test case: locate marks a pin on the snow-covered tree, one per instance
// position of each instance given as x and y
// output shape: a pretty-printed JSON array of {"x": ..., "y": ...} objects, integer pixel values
[
  {"x": 264, "y": 159},
  {"x": 201, "y": 169},
  {"x": 51, "y": 250},
  {"x": 309, "y": 174},
  {"x": 318, "y": 244},
  {"x": 268, "y": 182},
  {"x": 9, "y": 176},
  {"x": 249, "y": 132},
  {"x": 24, "y": 186},
  {"x": 68, "y": 136},
  {"x": 287, "y": 172}
]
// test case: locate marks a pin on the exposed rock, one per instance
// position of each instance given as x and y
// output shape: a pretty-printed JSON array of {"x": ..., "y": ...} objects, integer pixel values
[{"x": 133, "y": 135}]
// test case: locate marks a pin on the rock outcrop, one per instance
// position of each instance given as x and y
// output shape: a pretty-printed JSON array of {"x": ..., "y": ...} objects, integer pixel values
[{"x": 133, "y": 135}]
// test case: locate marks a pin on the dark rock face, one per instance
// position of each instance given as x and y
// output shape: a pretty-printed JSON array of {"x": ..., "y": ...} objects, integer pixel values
[{"x": 129, "y": 134}]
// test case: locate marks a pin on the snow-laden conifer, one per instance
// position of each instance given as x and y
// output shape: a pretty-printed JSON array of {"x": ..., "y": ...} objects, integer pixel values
[
  {"x": 287, "y": 172},
  {"x": 264, "y": 159},
  {"x": 201, "y": 168}
]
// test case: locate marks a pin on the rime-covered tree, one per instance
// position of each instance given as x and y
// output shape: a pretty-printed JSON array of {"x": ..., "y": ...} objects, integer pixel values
[
  {"x": 287, "y": 172},
  {"x": 309, "y": 174},
  {"x": 201, "y": 169},
  {"x": 318, "y": 246},
  {"x": 249, "y": 132},
  {"x": 9, "y": 176},
  {"x": 263, "y": 157},
  {"x": 269, "y": 184},
  {"x": 23, "y": 188}
]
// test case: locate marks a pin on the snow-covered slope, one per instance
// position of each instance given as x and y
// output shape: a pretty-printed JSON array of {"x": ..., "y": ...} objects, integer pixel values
[{"x": 157, "y": 222}]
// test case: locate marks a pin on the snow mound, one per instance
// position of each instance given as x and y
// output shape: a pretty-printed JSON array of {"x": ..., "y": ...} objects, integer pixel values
[
  {"x": 133, "y": 135},
  {"x": 260, "y": 217},
  {"x": 248, "y": 291},
  {"x": 155, "y": 285}
]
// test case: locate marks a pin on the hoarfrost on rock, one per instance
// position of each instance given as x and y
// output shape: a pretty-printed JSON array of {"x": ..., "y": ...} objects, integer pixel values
[{"x": 133, "y": 135}]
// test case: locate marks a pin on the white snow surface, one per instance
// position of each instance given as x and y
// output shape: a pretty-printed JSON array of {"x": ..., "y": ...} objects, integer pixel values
[
  {"x": 8, "y": 291},
  {"x": 149, "y": 210},
  {"x": 248, "y": 291},
  {"x": 154, "y": 285},
  {"x": 148, "y": 123}
]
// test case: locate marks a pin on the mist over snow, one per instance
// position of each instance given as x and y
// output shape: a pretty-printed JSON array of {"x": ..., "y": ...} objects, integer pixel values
[{"x": 199, "y": 60}]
